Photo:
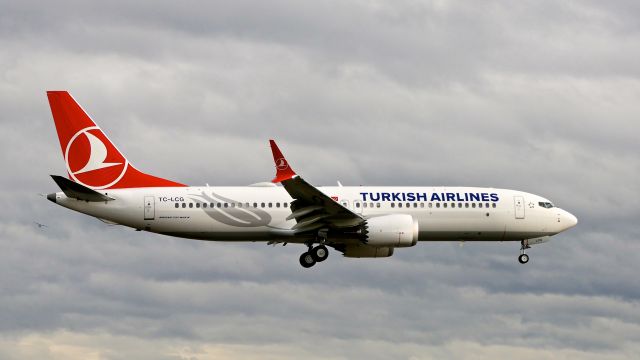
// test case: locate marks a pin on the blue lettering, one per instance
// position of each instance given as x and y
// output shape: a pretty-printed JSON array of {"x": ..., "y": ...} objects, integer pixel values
[
  {"x": 451, "y": 197},
  {"x": 485, "y": 197},
  {"x": 422, "y": 197},
  {"x": 374, "y": 198},
  {"x": 435, "y": 197},
  {"x": 494, "y": 197},
  {"x": 395, "y": 196},
  {"x": 386, "y": 197},
  {"x": 458, "y": 197},
  {"x": 474, "y": 197},
  {"x": 364, "y": 196},
  {"x": 411, "y": 197}
]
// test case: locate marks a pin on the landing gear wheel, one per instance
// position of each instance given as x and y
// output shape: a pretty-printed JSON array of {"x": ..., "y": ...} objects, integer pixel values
[
  {"x": 307, "y": 260},
  {"x": 320, "y": 253},
  {"x": 523, "y": 258}
]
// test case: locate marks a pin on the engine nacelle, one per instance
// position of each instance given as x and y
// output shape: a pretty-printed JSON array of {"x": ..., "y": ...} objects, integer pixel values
[
  {"x": 365, "y": 251},
  {"x": 399, "y": 230}
]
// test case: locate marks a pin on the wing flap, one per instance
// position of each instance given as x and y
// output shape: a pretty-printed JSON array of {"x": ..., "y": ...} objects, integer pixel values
[
  {"x": 303, "y": 211},
  {"x": 308, "y": 221}
]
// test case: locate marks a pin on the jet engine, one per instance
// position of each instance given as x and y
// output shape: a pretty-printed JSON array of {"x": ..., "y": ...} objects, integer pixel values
[
  {"x": 365, "y": 251},
  {"x": 398, "y": 230}
]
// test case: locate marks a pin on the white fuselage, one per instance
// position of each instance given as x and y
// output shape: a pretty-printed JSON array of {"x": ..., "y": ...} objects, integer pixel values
[{"x": 258, "y": 213}]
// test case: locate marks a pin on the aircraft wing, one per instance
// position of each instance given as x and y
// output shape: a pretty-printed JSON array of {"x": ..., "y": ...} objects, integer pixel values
[{"x": 311, "y": 208}]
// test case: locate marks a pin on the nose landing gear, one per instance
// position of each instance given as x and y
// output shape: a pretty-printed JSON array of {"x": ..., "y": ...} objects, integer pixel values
[
  {"x": 315, "y": 255},
  {"x": 523, "y": 258}
]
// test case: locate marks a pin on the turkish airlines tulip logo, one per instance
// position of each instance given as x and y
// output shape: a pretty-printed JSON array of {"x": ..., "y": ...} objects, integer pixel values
[
  {"x": 281, "y": 164},
  {"x": 93, "y": 161}
]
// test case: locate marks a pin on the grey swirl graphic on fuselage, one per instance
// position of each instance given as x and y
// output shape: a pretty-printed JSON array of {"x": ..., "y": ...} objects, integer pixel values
[{"x": 233, "y": 216}]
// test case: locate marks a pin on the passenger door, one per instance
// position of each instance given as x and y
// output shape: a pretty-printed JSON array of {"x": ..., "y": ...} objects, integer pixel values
[
  {"x": 518, "y": 204},
  {"x": 149, "y": 207}
]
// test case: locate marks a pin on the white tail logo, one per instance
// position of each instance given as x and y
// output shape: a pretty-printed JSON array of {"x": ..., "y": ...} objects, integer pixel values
[
  {"x": 97, "y": 155},
  {"x": 281, "y": 164}
]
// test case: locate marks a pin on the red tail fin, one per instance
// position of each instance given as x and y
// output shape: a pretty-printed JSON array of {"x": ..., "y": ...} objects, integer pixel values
[{"x": 92, "y": 159}]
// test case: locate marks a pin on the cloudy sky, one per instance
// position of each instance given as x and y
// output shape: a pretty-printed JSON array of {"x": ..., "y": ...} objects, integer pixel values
[{"x": 541, "y": 96}]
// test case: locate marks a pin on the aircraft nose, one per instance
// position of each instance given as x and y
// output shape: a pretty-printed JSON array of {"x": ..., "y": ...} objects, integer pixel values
[{"x": 570, "y": 220}]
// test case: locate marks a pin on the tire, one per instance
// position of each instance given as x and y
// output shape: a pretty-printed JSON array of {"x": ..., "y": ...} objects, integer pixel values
[
  {"x": 307, "y": 260},
  {"x": 320, "y": 253},
  {"x": 523, "y": 259}
]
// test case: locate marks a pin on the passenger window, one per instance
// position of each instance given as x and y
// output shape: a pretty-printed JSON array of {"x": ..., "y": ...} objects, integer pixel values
[
  {"x": 480, "y": 205},
  {"x": 437, "y": 205},
  {"x": 177, "y": 205},
  {"x": 494, "y": 205},
  {"x": 364, "y": 205},
  {"x": 473, "y": 205},
  {"x": 399, "y": 205},
  {"x": 393, "y": 205},
  {"x": 377, "y": 205},
  {"x": 466, "y": 205},
  {"x": 262, "y": 205},
  {"x": 430, "y": 205},
  {"x": 453, "y": 205},
  {"x": 422, "y": 205},
  {"x": 255, "y": 205},
  {"x": 198, "y": 205},
  {"x": 190, "y": 205},
  {"x": 204, "y": 205},
  {"x": 226, "y": 205},
  {"x": 219, "y": 204},
  {"x": 357, "y": 204},
  {"x": 278, "y": 205},
  {"x": 415, "y": 205},
  {"x": 371, "y": 205},
  {"x": 212, "y": 205},
  {"x": 270, "y": 205},
  {"x": 459, "y": 205},
  {"x": 486, "y": 205},
  {"x": 444, "y": 205},
  {"x": 285, "y": 204},
  {"x": 233, "y": 205},
  {"x": 408, "y": 205}
]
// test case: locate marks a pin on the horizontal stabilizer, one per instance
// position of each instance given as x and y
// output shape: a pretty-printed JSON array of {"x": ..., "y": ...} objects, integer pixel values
[{"x": 77, "y": 191}]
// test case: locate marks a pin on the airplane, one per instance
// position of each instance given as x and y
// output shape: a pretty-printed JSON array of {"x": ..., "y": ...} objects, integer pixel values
[{"x": 357, "y": 221}]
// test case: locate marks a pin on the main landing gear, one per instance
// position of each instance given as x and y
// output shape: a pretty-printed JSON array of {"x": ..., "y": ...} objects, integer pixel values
[
  {"x": 315, "y": 255},
  {"x": 523, "y": 258}
]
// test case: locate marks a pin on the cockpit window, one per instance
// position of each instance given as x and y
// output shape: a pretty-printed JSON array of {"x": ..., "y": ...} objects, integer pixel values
[{"x": 546, "y": 205}]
